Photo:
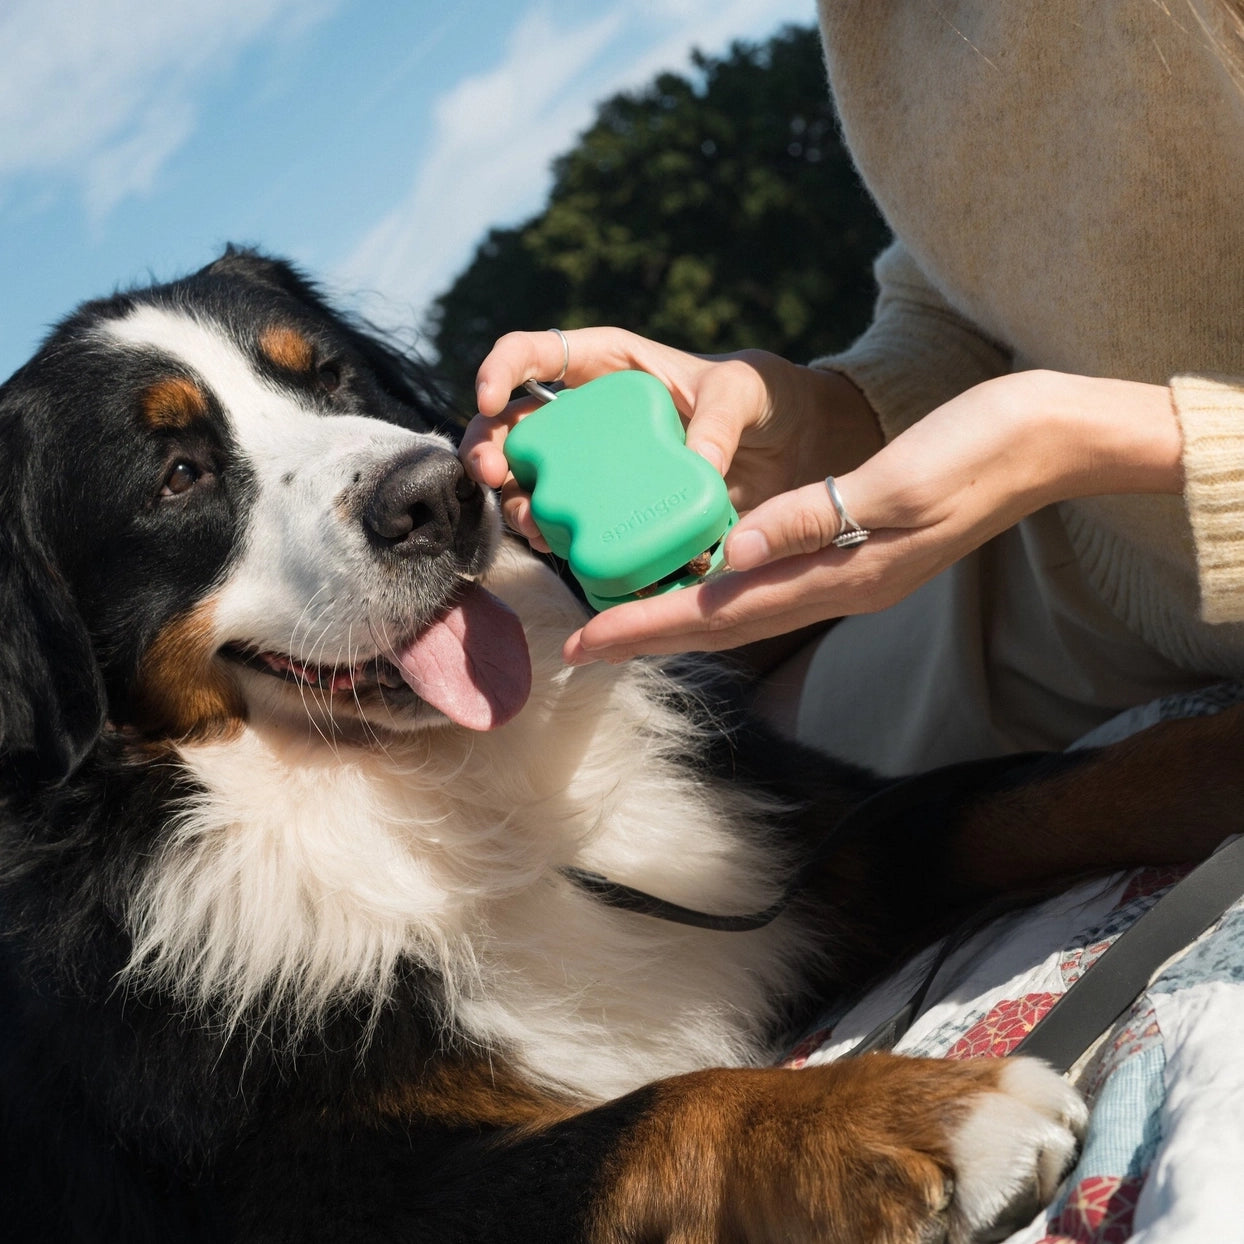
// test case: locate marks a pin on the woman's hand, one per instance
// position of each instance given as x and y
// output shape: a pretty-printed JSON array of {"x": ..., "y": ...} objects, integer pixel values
[
  {"x": 961, "y": 475},
  {"x": 958, "y": 477},
  {"x": 766, "y": 424}
]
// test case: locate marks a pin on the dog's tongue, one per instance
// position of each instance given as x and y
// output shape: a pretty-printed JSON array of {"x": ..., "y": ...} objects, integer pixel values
[{"x": 472, "y": 662}]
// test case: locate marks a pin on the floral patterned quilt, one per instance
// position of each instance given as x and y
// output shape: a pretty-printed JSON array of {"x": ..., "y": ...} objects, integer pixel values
[{"x": 1163, "y": 1161}]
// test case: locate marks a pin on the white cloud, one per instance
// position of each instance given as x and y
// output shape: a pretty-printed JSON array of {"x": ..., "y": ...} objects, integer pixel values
[
  {"x": 103, "y": 91},
  {"x": 496, "y": 133},
  {"x": 131, "y": 163}
]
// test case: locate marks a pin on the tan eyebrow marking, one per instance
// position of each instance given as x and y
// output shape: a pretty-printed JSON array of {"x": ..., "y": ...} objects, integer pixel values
[
  {"x": 286, "y": 348},
  {"x": 173, "y": 404}
]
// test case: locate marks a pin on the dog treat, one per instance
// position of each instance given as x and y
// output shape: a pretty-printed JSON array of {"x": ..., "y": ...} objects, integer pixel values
[
  {"x": 696, "y": 568},
  {"x": 617, "y": 493},
  {"x": 699, "y": 566}
]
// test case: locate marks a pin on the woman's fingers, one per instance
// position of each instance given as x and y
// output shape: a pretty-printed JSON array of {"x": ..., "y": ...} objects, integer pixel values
[
  {"x": 576, "y": 356},
  {"x": 730, "y": 398},
  {"x": 802, "y": 521},
  {"x": 516, "y": 358},
  {"x": 481, "y": 448},
  {"x": 516, "y": 510},
  {"x": 728, "y": 406},
  {"x": 733, "y": 609}
]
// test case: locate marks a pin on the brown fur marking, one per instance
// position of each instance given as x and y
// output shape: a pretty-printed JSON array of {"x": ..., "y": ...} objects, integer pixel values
[
  {"x": 182, "y": 691},
  {"x": 173, "y": 405},
  {"x": 286, "y": 348},
  {"x": 856, "y": 1150},
  {"x": 480, "y": 1092},
  {"x": 1167, "y": 795}
]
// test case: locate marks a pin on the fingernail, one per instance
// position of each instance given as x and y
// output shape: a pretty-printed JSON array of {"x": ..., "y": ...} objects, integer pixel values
[
  {"x": 712, "y": 455},
  {"x": 746, "y": 550}
]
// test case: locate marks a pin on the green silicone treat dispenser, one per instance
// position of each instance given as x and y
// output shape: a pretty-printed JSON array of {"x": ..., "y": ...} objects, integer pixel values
[{"x": 617, "y": 493}]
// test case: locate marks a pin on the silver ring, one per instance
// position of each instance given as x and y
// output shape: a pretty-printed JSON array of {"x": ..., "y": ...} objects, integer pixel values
[
  {"x": 850, "y": 533},
  {"x": 561, "y": 336}
]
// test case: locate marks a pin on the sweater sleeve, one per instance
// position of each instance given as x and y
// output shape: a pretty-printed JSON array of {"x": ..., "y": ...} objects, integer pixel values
[
  {"x": 918, "y": 352},
  {"x": 1211, "y": 418}
]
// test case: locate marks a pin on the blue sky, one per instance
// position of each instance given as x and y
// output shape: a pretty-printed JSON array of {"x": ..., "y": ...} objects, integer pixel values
[{"x": 373, "y": 141}]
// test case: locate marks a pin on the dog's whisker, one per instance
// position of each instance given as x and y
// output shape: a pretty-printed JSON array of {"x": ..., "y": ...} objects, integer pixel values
[
  {"x": 304, "y": 622},
  {"x": 385, "y": 648},
  {"x": 324, "y": 694},
  {"x": 368, "y": 729},
  {"x": 328, "y": 693}
]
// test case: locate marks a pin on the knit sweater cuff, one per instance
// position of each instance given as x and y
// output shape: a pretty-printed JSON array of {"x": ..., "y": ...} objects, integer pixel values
[{"x": 1211, "y": 417}]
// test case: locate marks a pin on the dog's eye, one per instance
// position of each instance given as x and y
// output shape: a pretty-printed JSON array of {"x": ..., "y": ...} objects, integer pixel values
[
  {"x": 181, "y": 478},
  {"x": 329, "y": 376}
]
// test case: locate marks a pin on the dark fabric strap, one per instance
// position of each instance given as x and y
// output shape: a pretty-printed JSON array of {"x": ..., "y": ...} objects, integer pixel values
[
  {"x": 899, "y": 797},
  {"x": 1095, "y": 1001},
  {"x": 615, "y": 894}
]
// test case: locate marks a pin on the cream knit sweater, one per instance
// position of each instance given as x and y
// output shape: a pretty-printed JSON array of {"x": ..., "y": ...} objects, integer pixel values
[{"x": 1066, "y": 184}]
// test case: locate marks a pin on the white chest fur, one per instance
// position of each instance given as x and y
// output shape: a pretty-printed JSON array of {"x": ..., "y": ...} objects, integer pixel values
[{"x": 306, "y": 871}]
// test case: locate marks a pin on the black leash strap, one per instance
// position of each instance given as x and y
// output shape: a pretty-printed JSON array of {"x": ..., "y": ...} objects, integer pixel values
[
  {"x": 1095, "y": 1001},
  {"x": 897, "y": 798},
  {"x": 615, "y": 894}
]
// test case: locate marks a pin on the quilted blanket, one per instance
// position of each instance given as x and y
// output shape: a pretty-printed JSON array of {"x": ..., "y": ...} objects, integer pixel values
[{"x": 1163, "y": 1161}]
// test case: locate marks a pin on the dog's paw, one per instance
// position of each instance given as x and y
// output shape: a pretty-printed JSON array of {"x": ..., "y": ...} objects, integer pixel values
[
  {"x": 1011, "y": 1151},
  {"x": 876, "y": 1150},
  {"x": 936, "y": 1151}
]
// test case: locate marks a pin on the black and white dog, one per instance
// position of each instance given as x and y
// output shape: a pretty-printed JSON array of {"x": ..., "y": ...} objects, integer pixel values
[{"x": 291, "y": 772}]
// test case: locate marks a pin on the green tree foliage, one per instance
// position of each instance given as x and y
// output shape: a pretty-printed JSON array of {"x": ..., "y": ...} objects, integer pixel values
[{"x": 712, "y": 211}]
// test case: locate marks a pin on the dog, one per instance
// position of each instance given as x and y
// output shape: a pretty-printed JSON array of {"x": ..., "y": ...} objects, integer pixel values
[{"x": 292, "y": 780}]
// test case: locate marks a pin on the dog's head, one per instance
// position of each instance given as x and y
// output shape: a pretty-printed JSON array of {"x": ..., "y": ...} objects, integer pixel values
[{"x": 218, "y": 499}]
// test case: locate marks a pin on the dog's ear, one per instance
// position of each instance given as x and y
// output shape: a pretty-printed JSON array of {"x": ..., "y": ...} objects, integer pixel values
[
  {"x": 52, "y": 699},
  {"x": 242, "y": 262}
]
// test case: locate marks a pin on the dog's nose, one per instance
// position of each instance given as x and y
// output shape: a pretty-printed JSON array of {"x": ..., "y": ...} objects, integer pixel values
[{"x": 418, "y": 505}]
